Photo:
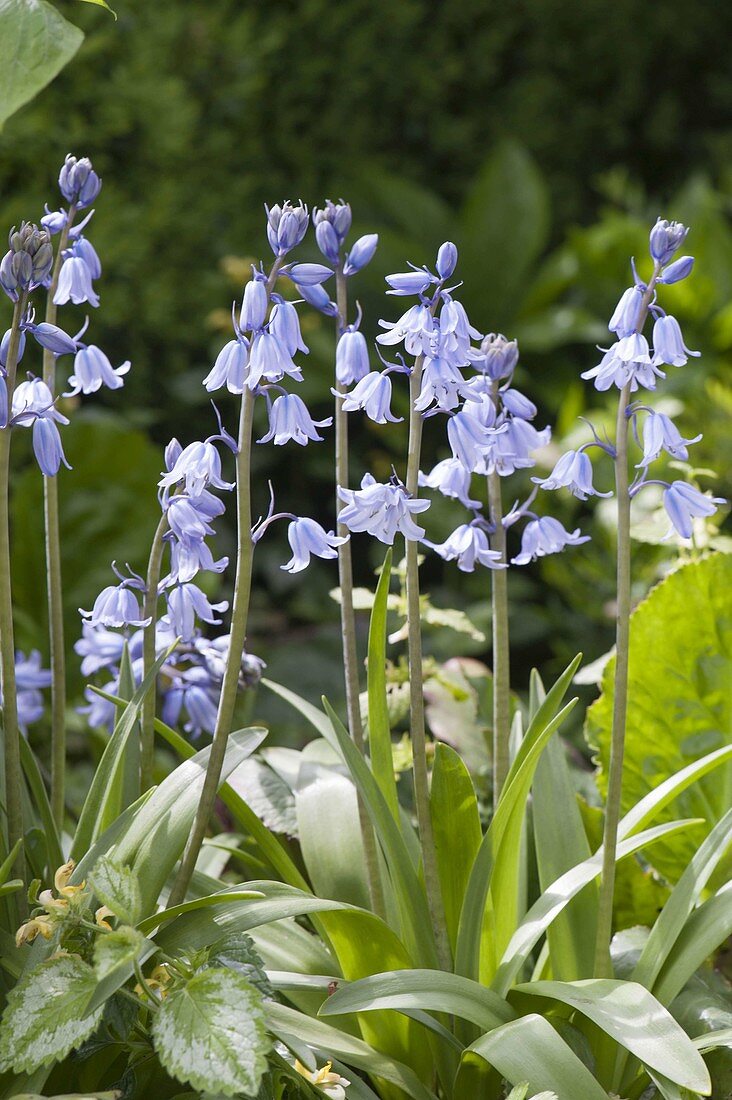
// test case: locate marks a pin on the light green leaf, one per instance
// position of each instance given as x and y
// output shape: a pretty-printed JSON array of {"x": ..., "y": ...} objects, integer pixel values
[
  {"x": 212, "y": 1033},
  {"x": 530, "y": 1049},
  {"x": 101, "y": 4},
  {"x": 116, "y": 886},
  {"x": 633, "y": 1017},
  {"x": 456, "y": 828},
  {"x": 35, "y": 44},
  {"x": 116, "y": 949},
  {"x": 679, "y": 703},
  {"x": 382, "y": 763},
  {"x": 268, "y": 795},
  {"x": 706, "y": 930},
  {"x": 330, "y": 837},
  {"x": 45, "y": 1016}
]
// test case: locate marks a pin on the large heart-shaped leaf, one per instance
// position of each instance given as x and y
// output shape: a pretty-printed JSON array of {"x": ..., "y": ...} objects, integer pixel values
[{"x": 35, "y": 44}]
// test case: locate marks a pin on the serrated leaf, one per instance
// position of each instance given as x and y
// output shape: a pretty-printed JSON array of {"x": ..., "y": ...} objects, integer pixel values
[
  {"x": 116, "y": 949},
  {"x": 44, "y": 1018},
  {"x": 211, "y": 1033},
  {"x": 116, "y": 886},
  {"x": 679, "y": 702},
  {"x": 35, "y": 44},
  {"x": 237, "y": 952}
]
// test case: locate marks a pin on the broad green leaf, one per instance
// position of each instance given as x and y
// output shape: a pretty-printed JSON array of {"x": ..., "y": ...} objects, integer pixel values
[
  {"x": 116, "y": 886},
  {"x": 330, "y": 837},
  {"x": 382, "y": 762},
  {"x": 506, "y": 214},
  {"x": 222, "y": 897},
  {"x": 267, "y": 794},
  {"x": 212, "y": 1033},
  {"x": 315, "y": 717},
  {"x": 103, "y": 803},
  {"x": 561, "y": 843},
  {"x": 456, "y": 830},
  {"x": 432, "y": 990},
  {"x": 633, "y": 1017},
  {"x": 35, "y": 44},
  {"x": 705, "y": 931},
  {"x": 711, "y": 1040},
  {"x": 530, "y": 1050},
  {"x": 45, "y": 1016},
  {"x": 268, "y": 845},
  {"x": 679, "y": 701},
  {"x": 553, "y": 901},
  {"x": 117, "y": 949},
  {"x": 327, "y": 1041}
]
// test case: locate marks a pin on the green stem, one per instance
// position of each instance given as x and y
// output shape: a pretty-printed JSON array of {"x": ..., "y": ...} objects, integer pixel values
[
  {"x": 239, "y": 617},
  {"x": 416, "y": 689},
  {"x": 53, "y": 573},
  {"x": 603, "y": 963},
  {"x": 150, "y": 611},
  {"x": 348, "y": 620},
  {"x": 501, "y": 649},
  {"x": 13, "y": 771}
]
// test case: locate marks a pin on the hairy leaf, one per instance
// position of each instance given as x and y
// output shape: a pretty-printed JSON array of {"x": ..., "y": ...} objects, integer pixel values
[
  {"x": 116, "y": 949},
  {"x": 116, "y": 886}
]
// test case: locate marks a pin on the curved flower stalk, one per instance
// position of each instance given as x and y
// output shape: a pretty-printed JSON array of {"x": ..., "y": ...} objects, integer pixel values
[{"x": 629, "y": 365}]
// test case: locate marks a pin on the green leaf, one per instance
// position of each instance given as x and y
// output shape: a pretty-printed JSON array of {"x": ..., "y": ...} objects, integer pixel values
[
  {"x": 679, "y": 702},
  {"x": 35, "y": 44},
  {"x": 37, "y": 787},
  {"x": 632, "y": 1016},
  {"x": 116, "y": 886},
  {"x": 704, "y": 932},
  {"x": 45, "y": 1016},
  {"x": 382, "y": 762},
  {"x": 456, "y": 828},
  {"x": 212, "y": 1033},
  {"x": 267, "y": 794},
  {"x": 530, "y": 1050},
  {"x": 433, "y": 990},
  {"x": 330, "y": 837},
  {"x": 116, "y": 949},
  {"x": 238, "y": 952},
  {"x": 222, "y": 897},
  {"x": 101, "y": 4}
]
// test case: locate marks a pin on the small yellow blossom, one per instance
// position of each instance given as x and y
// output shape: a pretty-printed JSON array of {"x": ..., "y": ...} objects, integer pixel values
[
  {"x": 101, "y": 917},
  {"x": 61, "y": 880},
  {"x": 330, "y": 1084},
  {"x": 38, "y": 926}
]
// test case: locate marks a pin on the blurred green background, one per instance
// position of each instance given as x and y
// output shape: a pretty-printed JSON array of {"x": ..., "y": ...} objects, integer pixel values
[{"x": 544, "y": 137}]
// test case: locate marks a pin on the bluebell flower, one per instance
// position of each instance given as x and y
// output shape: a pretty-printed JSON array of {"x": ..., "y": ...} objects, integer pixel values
[
  {"x": 441, "y": 385},
  {"x": 78, "y": 182},
  {"x": 517, "y": 404},
  {"x": 497, "y": 356},
  {"x": 47, "y": 446},
  {"x": 255, "y": 302},
  {"x": 187, "y": 558},
  {"x": 676, "y": 271},
  {"x": 75, "y": 282},
  {"x": 289, "y": 419},
  {"x": 83, "y": 248},
  {"x": 661, "y": 434},
  {"x": 626, "y": 362},
  {"x": 468, "y": 433},
  {"x": 230, "y": 368},
  {"x": 284, "y": 323},
  {"x": 382, "y": 510},
  {"x": 186, "y": 602},
  {"x": 451, "y": 478},
  {"x": 665, "y": 239},
  {"x": 116, "y": 606},
  {"x": 468, "y": 545},
  {"x": 447, "y": 258},
  {"x": 372, "y": 394},
  {"x": 188, "y": 523},
  {"x": 101, "y": 713},
  {"x": 30, "y": 679},
  {"x": 198, "y": 465},
  {"x": 414, "y": 328},
  {"x": 545, "y": 536},
  {"x": 684, "y": 503},
  {"x": 513, "y": 448},
  {"x": 33, "y": 399},
  {"x": 352, "y": 357},
  {"x": 5, "y": 347},
  {"x": 668, "y": 343},
  {"x": 307, "y": 537},
  {"x": 269, "y": 360},
  {"x": 624, "y": 320},
  {"x": 408, "y": 283},
  {"x": 455, "y": 332},
  {"x": 361, "y": 254},
  {"x": 286, "y": 226},
  {"x": 318, "y": 298},
  {"x": 56, "y": 220},
  {"x": 307, "y": 274},
  {"x": 92, "y": 370},
  {"x": 51, "y": 337},
  {"x": 192, "y": 690},
  {"x": 572, "y": 471},
  {"x": 327, "y": 240},
  {"x": 99, "y": 648}
]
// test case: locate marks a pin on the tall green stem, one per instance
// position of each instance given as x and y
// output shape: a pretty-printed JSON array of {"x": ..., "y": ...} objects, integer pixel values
[
  {"x": 416, "y": 688},
  {"x": 603, "y": 962},
  {"x": 501, "y": 650},
  {"x": 348, "y": 618},
  {"x": 239, "y": 617},
  {"x": 150, "y": 611},
  {"x": 53, "y": 572},
  {"x": 13, "y": 772}
]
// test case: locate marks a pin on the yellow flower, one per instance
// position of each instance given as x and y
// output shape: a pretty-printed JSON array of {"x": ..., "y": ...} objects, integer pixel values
[
  {"x": 101, "y": 917},
  {"x": 330, "y": 1084},
  {"x": 61, "y": 880},
  {"x": 38, "y": 926}
]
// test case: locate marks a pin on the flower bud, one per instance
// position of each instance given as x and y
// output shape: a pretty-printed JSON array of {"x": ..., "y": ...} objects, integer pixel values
[
  {"x": 307, "y": 274},
  {"x": 677, "y": 271},
  {"x": 336, "y": 214},
  {"x": 666, "y": 237},
  {"x": 497, "y": 356},
  {"x": 286, "y": 226},
  {"x": 317, "y": 297},
  {"x": 5, "y": 347},
  {"x": 78, "y": 182},
  {"x": 328, "y": 242},
  {"x": 254, "y": 304},
  {"x": 361, "y": 253},
  {"x": 447, "y": 260},
  {"x": 28, "y": 262}
]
